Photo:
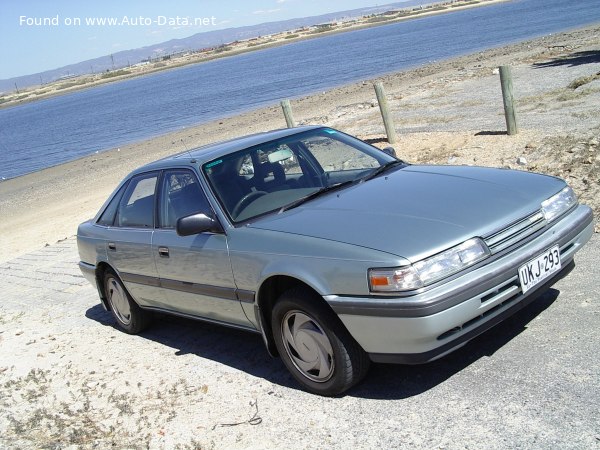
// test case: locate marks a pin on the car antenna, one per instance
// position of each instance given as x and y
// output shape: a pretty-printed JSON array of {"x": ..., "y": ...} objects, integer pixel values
[{"x": 188, "y": 151}]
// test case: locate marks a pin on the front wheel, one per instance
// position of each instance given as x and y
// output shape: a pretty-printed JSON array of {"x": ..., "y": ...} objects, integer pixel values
[
  {"x": 314, "y": 345},
  {"x": 130, "y": 317}
]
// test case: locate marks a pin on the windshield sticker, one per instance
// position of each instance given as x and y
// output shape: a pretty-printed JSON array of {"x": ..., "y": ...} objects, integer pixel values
[{"x": 214, "y": 163}]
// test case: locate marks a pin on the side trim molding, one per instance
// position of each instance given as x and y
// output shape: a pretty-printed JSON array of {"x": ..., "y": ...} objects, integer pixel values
[
  {"x": 140, "y": 279},
  {"x": 199, "y": 289},
  {"x": 208, "y": 290}
]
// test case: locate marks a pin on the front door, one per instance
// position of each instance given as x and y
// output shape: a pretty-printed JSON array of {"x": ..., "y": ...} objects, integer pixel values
[{"x": 194, "y": 271}]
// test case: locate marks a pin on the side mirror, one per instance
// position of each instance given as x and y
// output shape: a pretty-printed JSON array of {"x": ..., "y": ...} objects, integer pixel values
[
  {"x": 390, "y": 151},
  {"x": 196, "y": 224}
]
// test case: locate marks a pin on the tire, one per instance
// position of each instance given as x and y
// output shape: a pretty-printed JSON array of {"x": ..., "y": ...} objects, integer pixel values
[
  {"x": 129, "y": 316},
  {"x": 314, "y": 345}
]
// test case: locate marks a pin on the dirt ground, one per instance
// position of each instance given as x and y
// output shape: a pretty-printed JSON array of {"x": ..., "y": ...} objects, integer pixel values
[{"x": 70, "y": 379}]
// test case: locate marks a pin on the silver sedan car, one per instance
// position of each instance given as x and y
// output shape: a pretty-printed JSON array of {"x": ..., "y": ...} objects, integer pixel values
[{"x": 336, "y": 252}]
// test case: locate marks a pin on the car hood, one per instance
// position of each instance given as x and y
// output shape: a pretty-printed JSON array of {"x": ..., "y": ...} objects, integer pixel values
[{"x": 418, "y": 211}]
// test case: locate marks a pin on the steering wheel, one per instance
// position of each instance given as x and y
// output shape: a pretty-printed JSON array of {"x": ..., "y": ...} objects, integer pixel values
[{"x": 245, "y": 201}]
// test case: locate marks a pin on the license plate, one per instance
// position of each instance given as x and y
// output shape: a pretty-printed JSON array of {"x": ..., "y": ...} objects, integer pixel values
[{"x": 540, "y": 268}]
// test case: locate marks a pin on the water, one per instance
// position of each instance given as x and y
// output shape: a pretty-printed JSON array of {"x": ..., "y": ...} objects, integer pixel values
[{"x": 37, "y": 135}]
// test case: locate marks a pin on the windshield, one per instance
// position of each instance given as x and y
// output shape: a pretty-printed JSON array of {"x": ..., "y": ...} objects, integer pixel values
[{"x": 272, "y": 176}]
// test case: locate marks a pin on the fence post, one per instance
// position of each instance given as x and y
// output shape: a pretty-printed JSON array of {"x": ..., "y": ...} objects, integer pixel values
[
  {"x": 287, "y": 112},
  {"x": 507, "y": 97},
  {"x": 388, "y": 123}
]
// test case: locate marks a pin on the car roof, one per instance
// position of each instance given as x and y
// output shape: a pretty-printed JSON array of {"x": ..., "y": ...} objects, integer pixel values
[{"x": 201, "y": 155}]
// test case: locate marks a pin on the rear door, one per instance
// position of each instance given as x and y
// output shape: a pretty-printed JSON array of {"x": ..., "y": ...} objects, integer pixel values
[{"x": 129, "y": 247}]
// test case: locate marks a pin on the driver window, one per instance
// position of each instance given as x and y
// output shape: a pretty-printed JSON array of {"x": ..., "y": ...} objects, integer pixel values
[{"x": 180, "y": 195}]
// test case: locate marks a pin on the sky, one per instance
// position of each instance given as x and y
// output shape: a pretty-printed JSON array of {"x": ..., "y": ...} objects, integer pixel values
[{"x": 39, "y": 35}]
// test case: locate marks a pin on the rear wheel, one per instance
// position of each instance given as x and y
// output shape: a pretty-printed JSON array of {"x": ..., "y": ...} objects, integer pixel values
[
  {"x": 129, "y": 316},
  {"x": 314, "y": 345}
]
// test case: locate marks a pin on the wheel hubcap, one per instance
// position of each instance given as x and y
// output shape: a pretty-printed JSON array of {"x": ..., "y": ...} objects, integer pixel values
[
  {"x": 308, "y": 346},
  {"x": 117, "y": 298}
]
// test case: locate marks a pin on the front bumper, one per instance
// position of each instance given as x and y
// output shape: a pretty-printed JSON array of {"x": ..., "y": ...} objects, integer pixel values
[{"x": 424, "y": 327}]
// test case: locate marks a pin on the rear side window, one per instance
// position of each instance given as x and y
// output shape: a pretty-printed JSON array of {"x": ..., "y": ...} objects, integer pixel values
[{"x": 136, "y": 208}]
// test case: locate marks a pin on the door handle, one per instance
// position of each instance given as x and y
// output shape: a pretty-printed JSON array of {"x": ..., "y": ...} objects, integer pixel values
[
  {"x": 163, "y": 252},
  {"x": 112, "y": 246}
]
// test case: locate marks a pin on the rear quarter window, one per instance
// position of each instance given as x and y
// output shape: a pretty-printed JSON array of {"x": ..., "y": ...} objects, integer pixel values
[
  {"x": 136, "y": 208},
  {"x": 107, "y": 218}
]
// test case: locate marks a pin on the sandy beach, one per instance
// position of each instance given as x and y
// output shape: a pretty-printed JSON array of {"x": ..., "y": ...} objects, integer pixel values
[{"x": 447, "y": 112}]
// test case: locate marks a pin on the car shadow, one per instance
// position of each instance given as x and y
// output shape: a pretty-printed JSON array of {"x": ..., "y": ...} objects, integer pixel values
[
  {"x": 245, "y": 351},
  {"x": 572, "y": 60},
  {"x": 388, "y": 381},
  {"x": 238, "y": 349}
]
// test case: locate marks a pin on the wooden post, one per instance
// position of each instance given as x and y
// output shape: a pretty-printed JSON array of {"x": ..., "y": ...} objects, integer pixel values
[
  {"x": 287, "y": 112},
  {"x": 507, "y": 97},
  {"x": 388, "y": 123}
]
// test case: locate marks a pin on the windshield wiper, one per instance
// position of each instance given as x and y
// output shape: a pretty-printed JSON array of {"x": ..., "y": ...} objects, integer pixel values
[
  {"x": 382, "y": 169},
  {"x": 335, "y": 186},
  {"x": 315, "y": 194}
]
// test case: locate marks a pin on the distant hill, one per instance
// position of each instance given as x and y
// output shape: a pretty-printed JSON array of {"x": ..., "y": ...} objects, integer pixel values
[{"x": 195, "y": 42}]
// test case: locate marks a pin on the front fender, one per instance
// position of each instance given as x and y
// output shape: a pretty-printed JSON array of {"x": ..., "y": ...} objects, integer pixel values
[{"x": 328, "y": 267}]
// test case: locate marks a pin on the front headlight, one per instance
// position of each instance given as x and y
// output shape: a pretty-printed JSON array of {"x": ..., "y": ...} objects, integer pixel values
[
  {"x": 428, "y": 270},
  {"x": 556, "y": 205}
]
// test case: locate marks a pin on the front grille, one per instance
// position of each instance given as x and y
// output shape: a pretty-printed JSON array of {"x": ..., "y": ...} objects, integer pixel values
[{"x": 515, "y": 232}]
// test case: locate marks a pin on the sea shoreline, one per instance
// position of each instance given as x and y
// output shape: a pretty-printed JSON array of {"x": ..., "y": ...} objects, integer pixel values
[
  {"x": 46, "y": 206},
  {"x": 55, "y": 88}
]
